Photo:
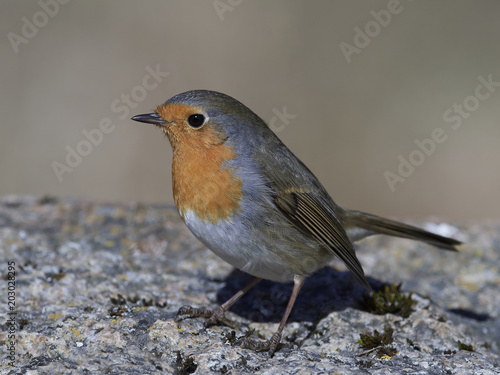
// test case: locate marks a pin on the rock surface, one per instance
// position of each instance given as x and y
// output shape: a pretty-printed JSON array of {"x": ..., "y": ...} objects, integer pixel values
[{"x": 97, "y": 286}]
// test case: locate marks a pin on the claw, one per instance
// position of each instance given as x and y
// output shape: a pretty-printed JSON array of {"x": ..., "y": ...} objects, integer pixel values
[
  {"x": 213, "y": 316},
  {"x": 261, "y": 346},
  {"x": 193, "y": 312}
]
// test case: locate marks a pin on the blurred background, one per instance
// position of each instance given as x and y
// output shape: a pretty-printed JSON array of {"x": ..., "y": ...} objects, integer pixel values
[{"x": 363, "y": 84}]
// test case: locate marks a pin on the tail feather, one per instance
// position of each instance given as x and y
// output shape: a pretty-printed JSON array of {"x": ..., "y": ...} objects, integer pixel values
[{"x": 380, "y": 225}]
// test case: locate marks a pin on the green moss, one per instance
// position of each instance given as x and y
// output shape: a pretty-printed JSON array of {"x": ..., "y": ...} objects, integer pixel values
[
  {"x": 412, "y": 344},
  {"x": 184, "y": 366},
  {"x": 53, "y": 276},
  {"x": 253, "y": 331},
  {"x": 229, "y": 337},
  {"x": 462, "y": 346},
  {"x": 115, "y": 311},
  {"x": 376, "y": 339},
  {"x": 379, "y": 341},
  {"x": 386, "y": 351},
  {"x": 22, "y": 323},
  {"x": 388, "y": 300}
]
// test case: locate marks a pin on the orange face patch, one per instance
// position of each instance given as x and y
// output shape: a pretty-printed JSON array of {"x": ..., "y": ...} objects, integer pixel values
[{"x": 202, "y": 182}]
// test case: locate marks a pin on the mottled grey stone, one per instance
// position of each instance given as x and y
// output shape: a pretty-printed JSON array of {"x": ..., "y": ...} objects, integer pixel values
[{"x": 98, "y": 286}]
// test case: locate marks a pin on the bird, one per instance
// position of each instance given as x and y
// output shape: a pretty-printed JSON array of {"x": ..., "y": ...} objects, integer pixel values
[{"x": 251, "y": 201}]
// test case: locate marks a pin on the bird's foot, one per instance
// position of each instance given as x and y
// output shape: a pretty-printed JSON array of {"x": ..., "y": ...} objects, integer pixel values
[
  {"x": 269, "y": 346},
  {"x": 213, "y": 316}
]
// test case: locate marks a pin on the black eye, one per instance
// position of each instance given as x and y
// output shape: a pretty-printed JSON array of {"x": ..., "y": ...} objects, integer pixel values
[{"x": 196, "y": 120}]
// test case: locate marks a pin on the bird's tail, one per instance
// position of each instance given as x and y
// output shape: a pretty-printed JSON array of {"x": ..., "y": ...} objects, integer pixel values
[{"x": 380, "y": 225}]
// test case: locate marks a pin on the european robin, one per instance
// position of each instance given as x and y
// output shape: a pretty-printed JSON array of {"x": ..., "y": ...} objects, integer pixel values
[{"x": 250, "y": 200}]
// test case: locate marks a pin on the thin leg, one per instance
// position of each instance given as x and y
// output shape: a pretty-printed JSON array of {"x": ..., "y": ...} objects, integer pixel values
[
  {"x": 275, "y": 339},
  {"x": 217, "y": 314}
]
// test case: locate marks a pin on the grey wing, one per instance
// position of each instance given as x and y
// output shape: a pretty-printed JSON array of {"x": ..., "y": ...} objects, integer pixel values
[
  {"x": 309, "y": 215},
  {"x": 296, "y": 192}
]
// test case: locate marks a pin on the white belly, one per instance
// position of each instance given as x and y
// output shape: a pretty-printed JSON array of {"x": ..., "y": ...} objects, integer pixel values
[{"x": 236, "y": 244}]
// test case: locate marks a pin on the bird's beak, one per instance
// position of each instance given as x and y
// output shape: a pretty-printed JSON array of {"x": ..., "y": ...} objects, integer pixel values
[{"x": 150, "y": 118}]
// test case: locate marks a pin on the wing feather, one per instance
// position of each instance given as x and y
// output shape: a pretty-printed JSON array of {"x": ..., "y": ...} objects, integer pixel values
[{"x": 304, "y": 211}]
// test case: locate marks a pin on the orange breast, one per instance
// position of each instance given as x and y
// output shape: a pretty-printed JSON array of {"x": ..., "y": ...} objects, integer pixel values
[{"x": 202, "y": 182}]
